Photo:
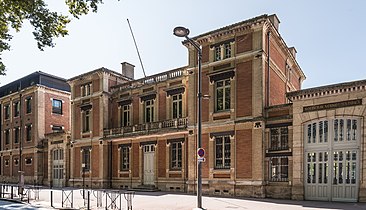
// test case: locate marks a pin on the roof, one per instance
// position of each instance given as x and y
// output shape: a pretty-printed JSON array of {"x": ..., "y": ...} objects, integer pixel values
[
  {"x": 103, "y": 69},
  {"x": 252, "y": 20},
  {"x": 35, "y": 78},
  {"x": 337, "y": 86}
]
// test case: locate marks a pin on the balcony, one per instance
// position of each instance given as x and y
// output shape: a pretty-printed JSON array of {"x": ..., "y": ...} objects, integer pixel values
[{"x": 146, "y": 128}]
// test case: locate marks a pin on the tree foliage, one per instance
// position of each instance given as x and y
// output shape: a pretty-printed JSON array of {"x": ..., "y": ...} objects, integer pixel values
[{"x": 47, "y": 24}]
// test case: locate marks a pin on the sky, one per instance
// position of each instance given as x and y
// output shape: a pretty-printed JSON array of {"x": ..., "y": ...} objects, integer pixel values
[{"x": 329, "y": 37}]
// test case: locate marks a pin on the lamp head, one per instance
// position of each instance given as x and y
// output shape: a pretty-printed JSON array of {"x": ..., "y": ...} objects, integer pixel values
[{"x": 181, "y": 31}]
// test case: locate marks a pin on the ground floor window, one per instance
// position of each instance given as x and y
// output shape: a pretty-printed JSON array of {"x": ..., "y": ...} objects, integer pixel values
[
  {"x": 124, "y": 158},
  {"x": 278, "y": 169},
  {"x": 86, "y": 159},
  {"x": 222, "y": 152},
  {"x": 176, "y": 155}
]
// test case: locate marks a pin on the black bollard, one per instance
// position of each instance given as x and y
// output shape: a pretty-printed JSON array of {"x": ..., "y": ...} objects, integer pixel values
[
  {"x": 88, "y": 200},
  {"x": 52, "y": 198},
  {"x": 11, "y": 192}
]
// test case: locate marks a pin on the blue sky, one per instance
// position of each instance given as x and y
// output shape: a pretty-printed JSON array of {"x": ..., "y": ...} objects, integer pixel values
[{"x": 329, "y": 36}]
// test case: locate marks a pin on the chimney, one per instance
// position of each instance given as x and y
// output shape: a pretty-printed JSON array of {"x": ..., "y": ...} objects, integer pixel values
[
  {"x": 293, "y": 51},
  {"x": 275, "y": 21},
  {"x": 128, "y": 70}
]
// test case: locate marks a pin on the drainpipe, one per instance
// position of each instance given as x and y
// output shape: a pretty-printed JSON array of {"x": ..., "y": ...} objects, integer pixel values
[{"x": 268, "y": 68}]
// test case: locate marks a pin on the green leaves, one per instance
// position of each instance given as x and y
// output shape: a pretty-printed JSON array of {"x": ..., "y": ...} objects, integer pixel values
[{"x": 47, "y": 24}]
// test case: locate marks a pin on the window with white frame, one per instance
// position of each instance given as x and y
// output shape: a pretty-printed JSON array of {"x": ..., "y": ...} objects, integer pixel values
[
  {"x": 16, "y": 135},
  {"x": 177, "y": 106},
  {"x": 222, "y": 51},
  {"x": 124, "y": 160},
  {"x": 149, "y": 110},
  {"x": 176, "y": 155},
  {"x": 56, "y": 106},
  {"x": 86, "y": 89},
  {"x": 125, "y": 115},
  {"x": 16, "y": 109},
  {"x": 278, "y": 138},
  {"x": 222, "y": 152},
  {"x": 222, "y": 99},
  {"x": 28, "y": 103},
  {"x": 278, "y": 169},
  {"x": 345, "y": 129},
  {"x": 86, "y": 120},
  {"x": 85, "y": 164},
  {"x": 7, "y": 111},
  {"x": 28, "y": 132}
]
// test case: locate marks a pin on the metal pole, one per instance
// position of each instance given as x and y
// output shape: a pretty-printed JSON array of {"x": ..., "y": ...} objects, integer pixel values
[{"x": 199, "y": 120}]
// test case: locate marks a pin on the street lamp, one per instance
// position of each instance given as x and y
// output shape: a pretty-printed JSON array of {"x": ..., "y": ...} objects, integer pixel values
[{"x": 184, "y": 32}]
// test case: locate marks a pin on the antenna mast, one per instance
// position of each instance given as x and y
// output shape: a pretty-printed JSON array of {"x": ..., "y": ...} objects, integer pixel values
[{"x": 137, "y": 49}]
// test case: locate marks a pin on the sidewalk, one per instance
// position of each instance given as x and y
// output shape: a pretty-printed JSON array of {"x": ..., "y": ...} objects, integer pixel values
[
  {"x": 175, "y": 201},
  {"x": 68, "y": 198}
]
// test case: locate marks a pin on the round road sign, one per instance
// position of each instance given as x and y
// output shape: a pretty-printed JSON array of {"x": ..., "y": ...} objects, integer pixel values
[{"x": 201, "y": 152}]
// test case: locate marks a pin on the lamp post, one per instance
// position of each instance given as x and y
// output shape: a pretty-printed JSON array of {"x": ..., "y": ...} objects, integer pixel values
[{"x": 184, "y": 32}]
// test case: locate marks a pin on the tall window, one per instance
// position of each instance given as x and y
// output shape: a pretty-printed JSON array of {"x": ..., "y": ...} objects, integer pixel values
[
  {"x": 124, "y": 158},
  {"x": 279, "y": 138},
  {"x": 227, "y": 50},
  {"x": 217, "y": 53},
  {"x": 16, "y": 109},
  {"x": 28, "y": 129},
  {"x": 7, "y": 136},
  {"x": 222, "y": 152},
  {"x": 86, "y": 159},
  {"x": 278, "y": 169},
  {"x": 28, "y": 103},
  {"x": 177, "y": 106},
  {"x": 223, "y": 95},
  {"x": 86, "y": 120},
  {"x": 56, "y": 106},
  {"x": 149, "y": 111},
  {"x": 7, "y": 111},
  {"x": 86, "y": 89},
  {"x": 125, "y": 115},
  {"x": 16, "y": 135},
  {"x": 176, "y": 155}
]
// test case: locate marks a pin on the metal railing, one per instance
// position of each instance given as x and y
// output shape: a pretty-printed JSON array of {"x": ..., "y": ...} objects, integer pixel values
[{"x": 146, "y": 127}]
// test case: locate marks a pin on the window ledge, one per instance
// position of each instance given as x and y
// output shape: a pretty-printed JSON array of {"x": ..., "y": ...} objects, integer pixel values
[
  {"x": 124, "y": 171},
  {"x": 174, "y": 171}
]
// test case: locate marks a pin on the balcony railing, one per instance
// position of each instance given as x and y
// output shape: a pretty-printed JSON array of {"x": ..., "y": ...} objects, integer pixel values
[{"x": 143, "y": 129}]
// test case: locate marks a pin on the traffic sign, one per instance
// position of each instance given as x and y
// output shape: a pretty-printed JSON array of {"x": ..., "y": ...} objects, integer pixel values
[
  {"x": 201, "y": 159},
  {"x": 201, "y": 152}
]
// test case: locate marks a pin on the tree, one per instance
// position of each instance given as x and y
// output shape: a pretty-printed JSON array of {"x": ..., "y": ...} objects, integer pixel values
[{"x": 47, "y": 24}]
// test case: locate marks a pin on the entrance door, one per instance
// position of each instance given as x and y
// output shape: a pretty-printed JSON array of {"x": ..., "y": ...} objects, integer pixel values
[
  {"x": 149, "y": 157},
  {"x": 58, "y": 168},
  {"x": 332, "y": 160}
]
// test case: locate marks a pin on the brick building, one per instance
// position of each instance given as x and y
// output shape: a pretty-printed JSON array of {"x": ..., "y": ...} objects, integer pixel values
[
  {"x": 263, "y": 136},
  {"x": 31, "y": 107},
  {"x": 141, "y": 133}
]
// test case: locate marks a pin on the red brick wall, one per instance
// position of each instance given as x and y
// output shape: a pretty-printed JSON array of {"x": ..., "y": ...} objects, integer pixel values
[
  {"x": 6, "y": 169},
  {"x": 96, "y": 117},
  {"x": 244, "y": 153},
  {"x": 205, "y": 53},
  {"x": 161, "y": 158},
  {"x": 77, "y": 162},
  {"x": 276, "y": 56},
  {"x": 15, "y": 168},
  {"x": 162, "y": 104},
  {"x": 77, "y": 91},
  {"x": 205, "y": 166},
  {"x": 53, "y": 118},
  {"x": 277, "y": 89},
  {"x": 294, "y": 79},
  {"x": 114, "y": 114},
  {"x": 77, "y": 121},
  {"x": 205, "y": 91},
  {"x": 115, "y": 160},
  {"x": 96, "y": 83},
  {"x": 95, "y": 160},
  {"x": 244, "y": 43},
  {"x": 28, "y": 169},
  {"x": 136, "y": 155},
  {"x": 135, "y": 104},
  {"x": 244, "y": 89}
]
